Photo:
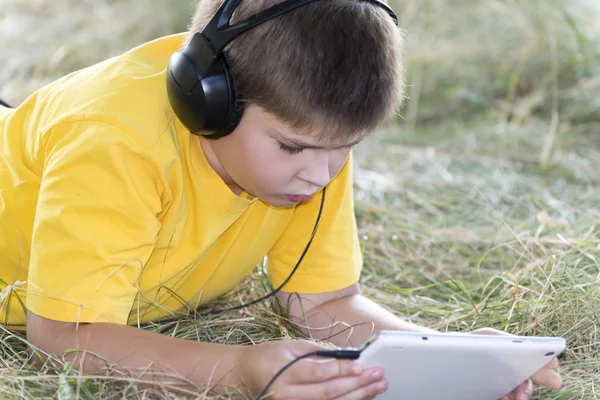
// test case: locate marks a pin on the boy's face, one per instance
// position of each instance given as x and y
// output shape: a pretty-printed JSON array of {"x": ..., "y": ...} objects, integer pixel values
[{"x": 264, "y": 158}]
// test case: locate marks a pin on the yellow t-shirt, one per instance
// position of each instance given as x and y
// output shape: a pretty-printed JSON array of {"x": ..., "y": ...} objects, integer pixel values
[{"x": 110, "y": 212}]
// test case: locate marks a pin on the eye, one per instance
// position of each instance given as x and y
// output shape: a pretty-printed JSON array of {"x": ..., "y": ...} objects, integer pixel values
[{"x": 290, "y": 149}]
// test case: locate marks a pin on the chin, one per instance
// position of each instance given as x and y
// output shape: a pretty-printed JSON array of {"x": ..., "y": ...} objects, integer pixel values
[{"x": 277, "y": 202}]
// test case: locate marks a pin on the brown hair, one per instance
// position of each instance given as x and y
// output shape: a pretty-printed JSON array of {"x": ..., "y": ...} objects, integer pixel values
[{"x": 332, "y": 68}]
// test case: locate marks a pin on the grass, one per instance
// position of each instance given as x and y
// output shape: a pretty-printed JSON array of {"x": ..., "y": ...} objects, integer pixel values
[{"x": 478, "y": 208}]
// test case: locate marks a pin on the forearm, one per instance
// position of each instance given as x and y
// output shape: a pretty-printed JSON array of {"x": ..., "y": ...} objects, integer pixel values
[
  {"x": 100, "y": 348},
  {"x": 351, "y": 321}
]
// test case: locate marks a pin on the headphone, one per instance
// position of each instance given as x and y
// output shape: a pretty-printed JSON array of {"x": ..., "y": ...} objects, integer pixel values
[{"x": 199, "y": 84}]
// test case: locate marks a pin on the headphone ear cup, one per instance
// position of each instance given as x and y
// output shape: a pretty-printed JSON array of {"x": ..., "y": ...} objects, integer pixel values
[
  {"x": 186, "y": 101},
  {"x": 218, "y": 96},
  {"x": 232, "y": 122},
  {"x": 205, "y": 105},
  {"x": 235, "y": 107}
]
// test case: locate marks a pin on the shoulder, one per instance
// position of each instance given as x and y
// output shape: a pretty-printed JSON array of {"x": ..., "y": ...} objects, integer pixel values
[{"x": 127, "y": 92}]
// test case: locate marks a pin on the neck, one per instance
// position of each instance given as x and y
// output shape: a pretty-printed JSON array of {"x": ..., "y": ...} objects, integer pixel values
[{"x": 214, "y": 163}]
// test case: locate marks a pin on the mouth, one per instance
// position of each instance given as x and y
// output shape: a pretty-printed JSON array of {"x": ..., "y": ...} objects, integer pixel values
[{"x": 298, "y": 198}]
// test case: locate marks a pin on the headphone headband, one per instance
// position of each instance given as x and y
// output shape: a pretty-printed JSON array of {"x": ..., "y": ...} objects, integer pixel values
[
  {"x": 200, "y": 88},
  {"x": 220, "y": 33}
]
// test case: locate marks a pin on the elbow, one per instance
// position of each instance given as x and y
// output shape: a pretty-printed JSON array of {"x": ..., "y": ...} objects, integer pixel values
[{"x": 46, "y": 338}]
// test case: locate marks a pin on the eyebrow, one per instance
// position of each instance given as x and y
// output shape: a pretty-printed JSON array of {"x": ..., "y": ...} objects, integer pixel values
[{"x": 302, "y": 144}]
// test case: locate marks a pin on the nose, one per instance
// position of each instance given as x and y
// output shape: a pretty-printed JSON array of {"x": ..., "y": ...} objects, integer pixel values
[{"x": 317, "y": 171}]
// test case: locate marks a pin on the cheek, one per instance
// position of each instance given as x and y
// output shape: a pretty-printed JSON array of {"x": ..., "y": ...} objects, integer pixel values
[
  {"x": 337, "y": 161},
  {"x": 267, "y": 161}
]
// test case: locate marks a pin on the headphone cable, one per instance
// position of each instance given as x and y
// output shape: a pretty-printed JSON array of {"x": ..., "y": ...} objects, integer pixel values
[
  {"x": 340, "y": 354},
  {"x": 272, "y": 293}
]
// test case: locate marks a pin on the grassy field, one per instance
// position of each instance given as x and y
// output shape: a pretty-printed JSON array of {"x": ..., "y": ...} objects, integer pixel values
[{"x": 479, "y": 207}]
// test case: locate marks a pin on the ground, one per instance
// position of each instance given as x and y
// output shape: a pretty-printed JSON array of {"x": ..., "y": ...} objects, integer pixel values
[{"x": 477, "y": 207}]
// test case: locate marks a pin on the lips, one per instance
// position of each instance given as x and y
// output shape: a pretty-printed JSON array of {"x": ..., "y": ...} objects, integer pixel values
[{"x": 299, "y": 198}]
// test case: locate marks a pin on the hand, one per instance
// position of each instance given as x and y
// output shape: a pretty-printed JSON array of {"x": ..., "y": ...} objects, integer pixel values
[
  {"x": 310, "y": 378},
  {"x": 545, "y": 376}
]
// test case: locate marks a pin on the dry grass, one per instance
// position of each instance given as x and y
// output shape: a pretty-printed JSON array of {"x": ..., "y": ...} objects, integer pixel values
[{"x": 479, "y": 208}]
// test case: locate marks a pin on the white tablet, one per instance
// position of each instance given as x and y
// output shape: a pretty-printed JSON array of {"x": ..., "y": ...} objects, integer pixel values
[{"x": 457, "y": 366}]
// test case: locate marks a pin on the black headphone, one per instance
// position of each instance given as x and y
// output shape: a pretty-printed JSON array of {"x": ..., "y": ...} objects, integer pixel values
[{"x": 199, "y": 84}]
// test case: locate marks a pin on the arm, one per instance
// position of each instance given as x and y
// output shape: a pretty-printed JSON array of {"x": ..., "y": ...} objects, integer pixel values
[
  {"x": 337, "y": 310},
  {"x": 168, "y": 359},
  {"x": 162, "y": 358},
  {"x": 328, "y": 316},
  {"x": 334, "y": 260}
]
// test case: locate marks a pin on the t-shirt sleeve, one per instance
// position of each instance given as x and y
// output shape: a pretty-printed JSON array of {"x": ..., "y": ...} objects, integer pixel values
[
  {"x": 95, "y": 224},
  {"x": 334, "y": 259}
]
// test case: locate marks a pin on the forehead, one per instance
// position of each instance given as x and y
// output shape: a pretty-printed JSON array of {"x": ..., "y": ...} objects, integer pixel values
[
  {"x": 320, "y": 138},
  {"x": 315, "y": 131}
]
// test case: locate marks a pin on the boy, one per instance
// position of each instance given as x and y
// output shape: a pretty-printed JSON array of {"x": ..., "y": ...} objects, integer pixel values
[{"x": 114, "y": 214}]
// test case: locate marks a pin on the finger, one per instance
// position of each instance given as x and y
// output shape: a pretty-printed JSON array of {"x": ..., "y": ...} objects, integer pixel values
[
  {"x": 518, "y": 392},
  {"x": 366, "y": 392},
  {"x": 552, "y": 364},
  {"x": 490, "y": 331},
  {"x": 521, "y": 392},
  {"x": 364, "y": 385},
  {"x": 314, "y": 371},
  {"x": 548, "y": 377},
  {"x": 524, "y": 390}
]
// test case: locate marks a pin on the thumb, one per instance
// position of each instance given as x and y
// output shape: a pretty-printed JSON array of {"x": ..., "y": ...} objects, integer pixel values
[
  {"x": 301, "y": 347},
  {"x": 490, "y": 331}
]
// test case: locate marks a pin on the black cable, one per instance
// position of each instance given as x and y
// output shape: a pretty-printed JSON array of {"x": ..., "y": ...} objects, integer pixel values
[
  {"x": 272, "y": 293},
  {"x": 344, "y": 354},
  {"x": 3, "y": 103}
]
